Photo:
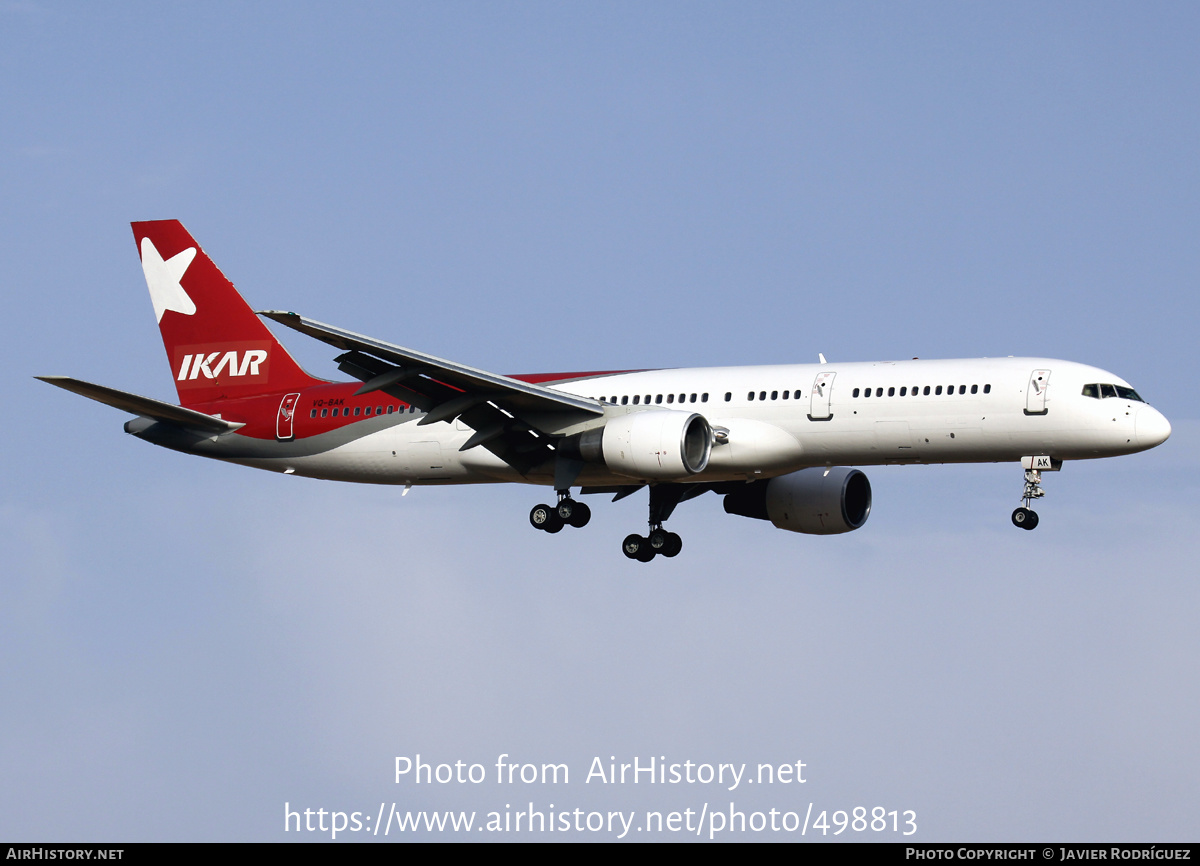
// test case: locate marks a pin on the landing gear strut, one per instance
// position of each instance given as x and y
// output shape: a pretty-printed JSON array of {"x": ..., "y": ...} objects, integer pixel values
[
  {"x": 567, "y": 512},
  {"x": 663, "y": 499},
  {"x": 1025, "y": 517}
]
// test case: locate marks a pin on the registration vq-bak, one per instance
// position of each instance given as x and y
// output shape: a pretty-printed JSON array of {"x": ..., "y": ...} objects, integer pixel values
[{"x": 779, "y": 443}]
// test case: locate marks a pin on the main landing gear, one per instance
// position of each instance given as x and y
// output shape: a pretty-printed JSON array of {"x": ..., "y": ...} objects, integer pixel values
[
  {"x": 568, "y": 512},
  {"x": 663, "y": 499},
  {"x": 1025, "y": 517},
  {"x": 645, "y": 548}
]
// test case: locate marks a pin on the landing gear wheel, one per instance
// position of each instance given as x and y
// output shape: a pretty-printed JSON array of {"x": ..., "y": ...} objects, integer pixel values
[
  {"x": 646, "y": 554},
  {"x": 673, "y": 546},
  {"x": 658, "y": 540},
  {"x": 633, "y": 545},
  {"x": 544, "y": 517},
  {"x": 539, "y": 516},
  {"x": 576, "y": 513},
  {"x": 581, "y": 516},
  {"x": 1025, "y": 518}
]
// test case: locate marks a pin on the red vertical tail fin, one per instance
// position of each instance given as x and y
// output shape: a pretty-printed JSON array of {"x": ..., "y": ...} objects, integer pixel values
[{"x": 217, "y": 347}]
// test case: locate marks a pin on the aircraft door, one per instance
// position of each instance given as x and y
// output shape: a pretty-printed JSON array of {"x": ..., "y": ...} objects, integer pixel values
[
  {"x": 1035, "y": 396},
  {"x": 287, "y": 414},
  {"x": 818, "y": 407}
]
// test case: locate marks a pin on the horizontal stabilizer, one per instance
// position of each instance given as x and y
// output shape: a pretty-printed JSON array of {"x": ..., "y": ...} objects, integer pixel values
[{"x": 144, "y": 406}]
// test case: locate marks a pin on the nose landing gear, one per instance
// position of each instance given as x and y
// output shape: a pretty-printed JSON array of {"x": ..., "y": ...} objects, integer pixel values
[{"x": 1025, "y": 517}]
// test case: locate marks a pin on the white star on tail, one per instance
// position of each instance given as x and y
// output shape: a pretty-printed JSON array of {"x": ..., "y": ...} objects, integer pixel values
[{"x": 163, "y": 278}]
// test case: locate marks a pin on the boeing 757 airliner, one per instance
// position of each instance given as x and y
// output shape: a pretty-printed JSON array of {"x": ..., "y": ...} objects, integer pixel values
[{"x": 779, "y": 443}]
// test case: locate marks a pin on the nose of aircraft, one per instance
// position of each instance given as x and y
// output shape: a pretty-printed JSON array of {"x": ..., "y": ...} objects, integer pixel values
[{"x": 1151, "y": 428}]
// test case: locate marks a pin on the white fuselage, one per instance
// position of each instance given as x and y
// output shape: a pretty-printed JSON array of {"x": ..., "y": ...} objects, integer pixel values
[{"x": 773, "y": 420}]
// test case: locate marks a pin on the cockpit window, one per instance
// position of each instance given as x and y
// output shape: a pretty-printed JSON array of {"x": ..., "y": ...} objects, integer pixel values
[{"x": 1100, "y": 391}]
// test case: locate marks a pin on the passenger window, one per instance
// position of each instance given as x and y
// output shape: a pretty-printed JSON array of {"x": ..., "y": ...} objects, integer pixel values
[
  {"x": 324, "y": 412},
  {"x": 625, "y": 400},
  {"x": 797, "y": 394},
  {"x": 891, "y": 392},
  {"x": 974, "y": 389},
  {"x": 670, "y": 398},
  {"x": 774, "y": 395},
  {"x": 987, "y": 389},
  {"x": 787, "y": 394},
  {"x": 878, "y": 392},
  {"x": 728, "y": 397},
  {"x": 658, "y": 398},
  {"x": 904, "y": 391},
  {"x": 854, "y": 393},
  {"x": 704, "y": 397},
  {"x": 762, "y": 395},
  {"x": 926, "y": 390},
  {"x": 312, "y": 414},
  {"x": 357, "y": 411},
  {"x": 962, "y": 389},
  {"x": 637, "y": 398},
  {"x": 750, "y": 396},
  {"x": 938, "y": 392},
  {"x": 391, "y": 410}
]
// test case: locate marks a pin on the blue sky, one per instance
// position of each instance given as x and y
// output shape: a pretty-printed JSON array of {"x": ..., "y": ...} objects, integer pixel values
[{"x": 185, "y": 646}]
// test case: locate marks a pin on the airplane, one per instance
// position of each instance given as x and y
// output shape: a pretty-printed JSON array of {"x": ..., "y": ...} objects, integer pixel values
[{"x": 779, "y": 443}]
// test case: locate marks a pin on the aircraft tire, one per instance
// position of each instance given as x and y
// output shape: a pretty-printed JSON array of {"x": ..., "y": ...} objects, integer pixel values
[
  {"x": 542, "y": 517},
  {"x": 580, "y": 515},
  {"x": 673, "y": 546},
  {"x": 632, "y": 545},
  {"x": 1024, "y": 518}
]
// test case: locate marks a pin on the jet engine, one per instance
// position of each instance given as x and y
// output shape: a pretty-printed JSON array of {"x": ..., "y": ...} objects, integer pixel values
[
  {"x": 652, "y": 445},
  {"x": 811, "y": 501}
]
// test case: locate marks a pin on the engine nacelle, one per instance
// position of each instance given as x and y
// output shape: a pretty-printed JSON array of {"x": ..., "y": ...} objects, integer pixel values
[
  {"x": 651, "y": 445},
  {"x": 808, "y": 501}
]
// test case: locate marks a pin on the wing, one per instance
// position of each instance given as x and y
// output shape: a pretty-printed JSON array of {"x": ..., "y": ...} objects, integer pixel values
[
  {"x": 144, "y": 406},
  {"x": 514, "y": 420}
]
